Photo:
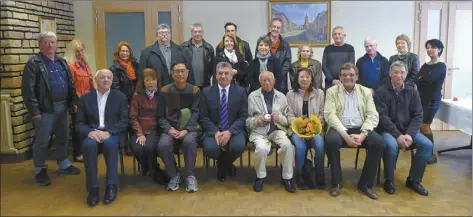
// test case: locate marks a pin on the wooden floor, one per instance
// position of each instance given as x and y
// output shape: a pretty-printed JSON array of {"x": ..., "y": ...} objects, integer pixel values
[{"x": 449, "y": 183}]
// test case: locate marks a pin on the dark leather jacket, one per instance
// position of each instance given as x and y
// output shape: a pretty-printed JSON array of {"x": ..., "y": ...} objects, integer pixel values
[{"x": 121, "y": 81}]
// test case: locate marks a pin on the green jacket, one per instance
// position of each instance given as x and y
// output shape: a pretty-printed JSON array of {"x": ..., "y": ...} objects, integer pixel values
[{"x": 335, "y": 103}]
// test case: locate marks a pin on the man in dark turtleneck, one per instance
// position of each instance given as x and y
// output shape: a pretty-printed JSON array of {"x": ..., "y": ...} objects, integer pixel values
[{"x": 267, "y": 122}]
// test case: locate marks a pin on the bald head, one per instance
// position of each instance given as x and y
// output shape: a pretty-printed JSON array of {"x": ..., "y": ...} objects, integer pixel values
[
  {"x": 370, "y": 47},
  {"x": 103, "y": 78}
]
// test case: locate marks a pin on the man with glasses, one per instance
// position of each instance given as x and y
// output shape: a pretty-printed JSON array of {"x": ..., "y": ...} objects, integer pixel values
[
  {"x": 161, "y": 55},
  {"x": 178, "y": 114},
  {"x": 350, "y": 114},
  {"x": 242, "y": 45}
]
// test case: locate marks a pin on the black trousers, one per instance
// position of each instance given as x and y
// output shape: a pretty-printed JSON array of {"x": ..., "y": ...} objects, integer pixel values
[
  {"x": 76, "y": 138},
  {"x": 373, "y": 144},
  {"x": 146, "y": 154}
]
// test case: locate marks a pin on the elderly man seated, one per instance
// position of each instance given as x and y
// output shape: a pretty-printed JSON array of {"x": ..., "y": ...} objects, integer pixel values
[
  {"x": 101, "y": 119},
  {"x": 400, "y": 117},
  {"x": 351, "y": 115},
  {"x": 267, "y": 122}
]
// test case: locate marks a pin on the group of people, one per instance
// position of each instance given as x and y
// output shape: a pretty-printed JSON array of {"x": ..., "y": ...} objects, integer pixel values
[{"x": 183, "y": 96}]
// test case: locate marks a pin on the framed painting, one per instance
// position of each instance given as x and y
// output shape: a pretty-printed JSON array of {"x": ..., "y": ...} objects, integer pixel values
[
  {"x": 303, "y": 21},
  {"x": 47, "y": 24}
]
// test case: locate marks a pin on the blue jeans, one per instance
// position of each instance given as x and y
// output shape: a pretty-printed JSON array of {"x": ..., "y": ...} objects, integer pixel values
[
  {"x": 423, "y": 152},
  {"x": 56, "y": 123},
  {"x": 110, "y": 152},
  {"x": 317, "y": 143}
]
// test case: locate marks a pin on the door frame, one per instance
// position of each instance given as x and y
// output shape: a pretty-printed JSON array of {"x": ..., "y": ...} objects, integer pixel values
[{"x": 148, "y": 8}]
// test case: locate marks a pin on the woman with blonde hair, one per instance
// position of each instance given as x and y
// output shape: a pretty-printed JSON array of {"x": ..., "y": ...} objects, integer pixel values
[
  {"x": 76, "y": 57},
  {"x": 403, "y": 46},
  {"x": 305, "y": 60}
]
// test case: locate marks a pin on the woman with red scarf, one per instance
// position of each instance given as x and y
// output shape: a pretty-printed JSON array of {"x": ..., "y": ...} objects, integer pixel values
[{"x": 124, "y": 75}]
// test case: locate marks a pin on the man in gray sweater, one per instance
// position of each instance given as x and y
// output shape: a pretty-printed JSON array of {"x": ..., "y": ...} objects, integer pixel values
[{"x": 335, "y": 55}]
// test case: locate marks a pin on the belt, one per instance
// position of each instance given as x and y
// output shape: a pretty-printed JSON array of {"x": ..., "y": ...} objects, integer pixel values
[{"x": 60, "y": 102}]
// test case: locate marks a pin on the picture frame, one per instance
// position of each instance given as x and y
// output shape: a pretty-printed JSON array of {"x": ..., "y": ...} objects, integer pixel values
[
  {"x": 304, "y": 22},
  {"x": 47, "y": 24}
]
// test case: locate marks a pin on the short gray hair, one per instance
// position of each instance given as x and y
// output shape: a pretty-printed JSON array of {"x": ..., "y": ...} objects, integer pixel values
[
  {"x": 263, "y": 38},
  {"x": 223, "y": 65},
  {"x": 43, "y": 35},
  {"x": 370, "y": 39},
  {"x": 197, "y": 25},
  {"x": 101, "y": 71},
  {"x": 397, "y": 63},
  {"x": 338, "y": 27},
  {"x": 162, "y": 26},
  {"x": 266, "y": 72}
]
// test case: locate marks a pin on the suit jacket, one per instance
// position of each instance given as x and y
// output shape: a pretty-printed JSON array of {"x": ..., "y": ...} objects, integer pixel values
[
  {"x": 335, "y": 105},
  {"x": 210, "y": 109},
  {"x": 116, "y": 113},
  {"x": 152, "y": 57}
]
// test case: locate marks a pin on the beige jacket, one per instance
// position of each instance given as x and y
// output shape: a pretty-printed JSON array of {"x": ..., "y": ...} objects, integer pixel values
[
  {"x": 316, "y": 104},
  {"x": 257, "y": 108},
  {"x": 335, "y": 105}
]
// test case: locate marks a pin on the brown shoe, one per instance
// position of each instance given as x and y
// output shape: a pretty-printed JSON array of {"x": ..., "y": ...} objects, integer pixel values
[{"x": 335, "y": 191}]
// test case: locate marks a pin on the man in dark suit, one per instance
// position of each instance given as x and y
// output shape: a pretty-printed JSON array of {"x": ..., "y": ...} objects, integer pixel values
[
  {"x": 223, "y": 111},
  {"x": 162, "y": 55},
  {"x": 102, "y": 118}
]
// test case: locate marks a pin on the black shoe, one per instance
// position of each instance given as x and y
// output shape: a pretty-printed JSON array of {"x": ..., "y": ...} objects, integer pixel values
[
  {"x": 320, "y": 181},
  {"x": 368, "y": 192},
  {"x": 110, "y": 194},
  {"x": 221, "y": 171},
  {"x": 144, "y": 170},
  {"x": 389, "y": 187},
  {"x": 336, "y": 190},
  {"x": 93, "y": 197},
  {"x": 71, "y": 170},
  {"x": 301, "y": 184},
  {"x": 42, "y": 178},
  {"x": 417, "y": 187},
  {"x": 289, "y": 185},
  {"x": 232, "y": 170},
  {"x": 432, "y": 160},
  {"x": 258, "y": 186}
]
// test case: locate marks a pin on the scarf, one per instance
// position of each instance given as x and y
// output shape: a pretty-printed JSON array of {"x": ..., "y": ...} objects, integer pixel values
[
  {"x": 130, "y": 71},
  {"x": 263, "y": 61},
  {"x": 304, "y": 63},
  {"x": 231, "y": 56},
  {"x": 150, "y": 93}
]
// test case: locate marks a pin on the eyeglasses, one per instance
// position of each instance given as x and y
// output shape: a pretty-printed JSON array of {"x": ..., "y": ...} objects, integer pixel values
[
  {"x": 163, "y": 33},
  {"x": 348, "y": 75},
  {"x": 179, "y": 71}
]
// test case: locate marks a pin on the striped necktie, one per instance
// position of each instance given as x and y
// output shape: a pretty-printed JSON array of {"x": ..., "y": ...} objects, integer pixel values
[{"x": 224, "y": 111}]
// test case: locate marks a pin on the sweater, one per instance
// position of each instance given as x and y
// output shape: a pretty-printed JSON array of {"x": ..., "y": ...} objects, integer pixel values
[{"x": 333, "y": 59}]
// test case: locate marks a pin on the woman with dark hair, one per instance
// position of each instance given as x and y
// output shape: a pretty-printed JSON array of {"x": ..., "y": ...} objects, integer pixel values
[
  {"x": 306, "y": 100},
  {"x": 263, "y": 61},
  {"x": 429, "y": 83},
  {"x": 143, "y": 111},
  {"x": 403, "y": 46},
  {"x": 235, "y": 58}
]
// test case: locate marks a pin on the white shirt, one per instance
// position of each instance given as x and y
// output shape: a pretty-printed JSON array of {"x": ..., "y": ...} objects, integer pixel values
[
  {"x": 227, "y": 89},
  {"x": 351, "y": 117},
  {"x": 101, "y": 102}
]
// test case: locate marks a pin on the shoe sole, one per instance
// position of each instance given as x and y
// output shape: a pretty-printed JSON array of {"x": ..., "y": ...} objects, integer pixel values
[
  {"x": 44, "y": 184},
  {"x": 192, "y": 190},
  {"x": 173, "y": 189},
  {"x": 68, "y": 173}
]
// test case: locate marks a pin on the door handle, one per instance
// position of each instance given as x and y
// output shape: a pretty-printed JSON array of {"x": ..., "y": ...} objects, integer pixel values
[{"x": 451, "y": 69}]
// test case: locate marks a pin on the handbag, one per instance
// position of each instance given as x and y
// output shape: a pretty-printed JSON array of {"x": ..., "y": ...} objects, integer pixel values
[{"x": 308, "y": 171}]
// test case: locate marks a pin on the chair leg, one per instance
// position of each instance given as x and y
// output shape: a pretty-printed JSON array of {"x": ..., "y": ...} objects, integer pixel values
[
  {"x": 122, "y": 168},
  {"x": 378, "y": 177},
  {"x": 179, "y": 160},
  {"x": 249, "y": 158},
  {"x": 215, "y": 164},
  {"x": 134, "y": 166},
  {"x": 277, "y": 157},
  {"x": 241, "y": 161},
  {"x": 356, "y": 158}
]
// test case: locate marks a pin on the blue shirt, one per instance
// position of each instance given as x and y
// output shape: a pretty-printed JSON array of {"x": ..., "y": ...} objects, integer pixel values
[
  {"x": 371, "y": 71},
  {"x": 57, "y": 79}
]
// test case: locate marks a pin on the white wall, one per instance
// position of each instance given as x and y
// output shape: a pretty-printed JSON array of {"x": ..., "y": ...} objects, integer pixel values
[{"x": 382, "y": 20}]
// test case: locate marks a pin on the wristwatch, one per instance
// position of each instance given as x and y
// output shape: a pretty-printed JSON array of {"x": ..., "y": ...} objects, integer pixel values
[{"x": 365, "y": 132}]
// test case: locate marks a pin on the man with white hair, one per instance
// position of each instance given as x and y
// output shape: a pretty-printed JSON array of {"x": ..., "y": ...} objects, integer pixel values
[
  {"x": 202, "y": 55},
  {"x": 373, "y": 68},
  {"x": 335, "y": 55},
  {"x": 102, "y": 119},
  {"x": 268, "y": 122},
  {"x": 49, "y": 92},
  {"x": 162, "y": 55}
]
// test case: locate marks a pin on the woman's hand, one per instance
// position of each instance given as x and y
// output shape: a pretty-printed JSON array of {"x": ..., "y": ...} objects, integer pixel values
[{"x": 141, "y": 140}]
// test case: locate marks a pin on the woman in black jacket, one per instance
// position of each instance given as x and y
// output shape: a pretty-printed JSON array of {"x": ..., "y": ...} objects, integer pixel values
[
  {"x": 263, "y": 61},
  {"x": 235, "y": 58},
  {"x": 124, "y": 70}
]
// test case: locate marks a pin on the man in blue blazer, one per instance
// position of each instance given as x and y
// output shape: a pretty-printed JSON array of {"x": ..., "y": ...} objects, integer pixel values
[
  {"x": 101, "y": 119},
  {"x": 223, "y": 111}
]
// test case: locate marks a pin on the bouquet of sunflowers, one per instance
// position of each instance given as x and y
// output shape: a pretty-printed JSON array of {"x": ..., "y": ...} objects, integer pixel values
[{"x": 307, "y": 127}]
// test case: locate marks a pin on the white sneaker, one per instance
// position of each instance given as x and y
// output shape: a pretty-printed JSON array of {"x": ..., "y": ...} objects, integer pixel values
[
  {"x": 191, "y": 184},
  {"x": 174, "y": 183}
]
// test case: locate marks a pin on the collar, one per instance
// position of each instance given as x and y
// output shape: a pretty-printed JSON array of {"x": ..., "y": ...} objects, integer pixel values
[
  {"x": 397, "y": 89},
  {"x": 226, "y": 88},
  {"x": 45, "y": 58},
  {"x": 194, "y": 43},
  {"x": 105, "y": 94},
  {"x": 346, "y": 91}
]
